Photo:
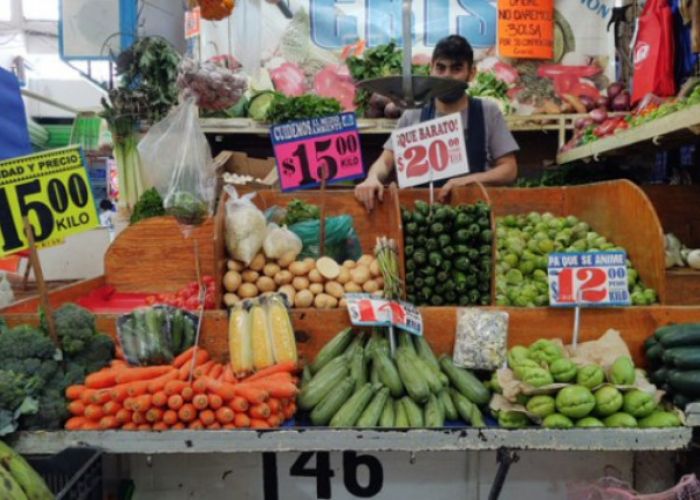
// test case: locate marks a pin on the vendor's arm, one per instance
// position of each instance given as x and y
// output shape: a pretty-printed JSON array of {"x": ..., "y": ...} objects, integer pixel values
[
  {"x": 503, "y": 171},
  {"x": 373, "y": 186}
]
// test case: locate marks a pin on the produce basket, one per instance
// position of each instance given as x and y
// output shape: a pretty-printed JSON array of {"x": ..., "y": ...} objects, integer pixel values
[{"x": 73, "y": 474}]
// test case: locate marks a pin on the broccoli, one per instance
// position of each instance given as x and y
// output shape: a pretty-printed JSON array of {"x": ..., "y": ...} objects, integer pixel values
[
  {"x": 14, "y": 388},
  {"x": 74, "y": 327},
  {"x": 25, "y": 341},
  {"x": 98, "y": 352},
  {"x": 52, "y": 414}
]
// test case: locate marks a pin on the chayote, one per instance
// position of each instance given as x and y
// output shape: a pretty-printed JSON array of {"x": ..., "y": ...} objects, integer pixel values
[
  {"x": 537, "y": 377},
  {"x": 523, "y": 366},
  {"x": 620, "y": 420},
  {"x": 622, "y": 371},
  {"x": 608, "y": 400},
  {"x": 660, "y": 419},
  {"x": 522, "y": 399},
  {"x": 541, "y": 405},
  {"x": 495, "y": 384},
  {"x": 513, "y": 420},
  {"x": 545, "y": 351},
  {"x": 590, "y": 376},
  {"x": 638, "y": 403},
  {"x": 589, "y": 422},
  {"x": 517, "y": 354},
  {"x": 557, "y": 421},
  {"x": 575, "y": 401},
  {"x": 563, "y": 370}
]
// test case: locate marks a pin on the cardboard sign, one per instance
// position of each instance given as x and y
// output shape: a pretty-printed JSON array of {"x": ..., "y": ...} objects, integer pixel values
[
  {"x": 526, "y": 29},
  {"x": 365, "y": 310},
  {"x": 430, "y": 151},
  {"x": 588, "y": 279},
  {"x": 52, "y": 190},
  {"x": 304, "y": 147}
]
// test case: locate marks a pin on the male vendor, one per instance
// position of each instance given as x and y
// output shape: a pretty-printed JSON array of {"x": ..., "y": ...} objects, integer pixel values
[{"x": 490, "y": 146}]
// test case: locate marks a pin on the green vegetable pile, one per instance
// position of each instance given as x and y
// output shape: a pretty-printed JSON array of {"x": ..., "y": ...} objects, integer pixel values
[
  {"x": 187, "y": 208},
  {"x": 35, "y": 374},
  {"x": 589, "y": 398},
  {"x": 448, "y": 254},
  {"x": 525, "y": 241},
  {"x": 300, "y": 211},
  {"x": 150, "y": 204},
  {"x": 487, "y": 85},
  {"x": 284, "y": 109},
  {"x": 353, "y": 382}
]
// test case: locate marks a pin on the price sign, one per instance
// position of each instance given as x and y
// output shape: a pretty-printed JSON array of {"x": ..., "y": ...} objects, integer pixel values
[
  {"x": 430, "y": 151},
  {"x": 526, "y": 29},
  {"x": 588, "y": 279},
  {"x": 52, "y": 190},
  {"x": 365, "y": 310},
  {"x": 304, "y": 147}
]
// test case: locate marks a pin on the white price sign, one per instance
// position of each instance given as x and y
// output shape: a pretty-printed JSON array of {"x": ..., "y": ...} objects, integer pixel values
[
  {"x": 430, "y": 151},
  {"x": 364, "y": 310}
]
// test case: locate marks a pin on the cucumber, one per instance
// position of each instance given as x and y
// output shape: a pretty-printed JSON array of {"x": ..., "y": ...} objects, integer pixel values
[
  {"x": 405, "y": 341},
  {"x": 655, "y": 353},
  {"x": 467, "y": 410},
  {"x": 305, "y": 376},
  {"x": 352, "y": 409},
  {"x": 448, "y": 405},
  {"x": 465, "y": 382},
  {"x": 663, "y": 331},
  {"x": 413, "y": 413},
  {"x": 388, "y": 374},
  {"x": 189, "y": 333},
  {"x": 416, "y": 385},
  {"x": 650, "y": 342},
  {"x": 426, "y": 353},
  {"x": 331, "y": 403},
  {"x": 334, "y": 348},
  {"x": 434, "y": 416},
  {"x": 686, "y": 383},
  {"x": 682, "y": 335},
  {"x": 400, "y": 416},
  {"x": 387, "y": 418},
  {"x": 370, "y": 417},
  {"x": 177, "y": 330},
  {"x": 315, "y": 391},
  {"x": 358, "y": 368},
  {"x": 685, "y": 358}
]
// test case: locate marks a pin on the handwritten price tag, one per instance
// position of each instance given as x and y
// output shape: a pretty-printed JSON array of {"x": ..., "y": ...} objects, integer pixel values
[
  {"x": 430, "y": 151},
  {"x": 588, "y": 279},
  {"x": 526, "y": 29},
  {"x": 365, "y": 310},
  {"x": 303, "y": 148}
]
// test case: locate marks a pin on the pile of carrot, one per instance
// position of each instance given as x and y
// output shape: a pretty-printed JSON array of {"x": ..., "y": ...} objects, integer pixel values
[{"x": 166, "y": 397}]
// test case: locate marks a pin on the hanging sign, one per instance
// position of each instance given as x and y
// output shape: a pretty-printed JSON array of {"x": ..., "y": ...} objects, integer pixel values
[
  {"x": 526, "y": 29},
  {"x": 304, "y": 147},
  {"x": 588, "y": 279},
  {"x": 430, "y": 151},
  {"x": 365, "y": 310},
  {"x": 52, "y": 190}
]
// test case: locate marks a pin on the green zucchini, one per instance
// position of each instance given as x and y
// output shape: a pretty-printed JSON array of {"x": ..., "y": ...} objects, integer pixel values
[
  {"x": 312, "y": 394},
  {"x": 650, "y": 342},
  {"x": 331, "y": 403},
  {"x": 388, "y": 373},
  {"x": 387, "y": 418},
  {"x": 177, "y": 331},
  {"x": 188, "y": 333},
  {"x": 400, "y": 416},
  {"x": 465, "y": 382},
  {"x": 370, "y": 417},
  {"x": 358, "y": 368},
  {"x": 330, "y": 367},
  {"x": 426, "y": 353},
  {"x": 655, "y": 353},
  {"x": 434, "y": 416},
  {"x": 352, "y": 409},
  {"x": 305, "y": 376},
  {"x": 448, "y": 405},
  {"x": 374, "y": 374},
  {"x": 433, "y": 381},
  {"x": 467, "y": 410},
  {"x": 686, "y": 382},
  {"x": 357, "y": 344},
  {"x": 416, "y": 386},
  {"x": 413, "y": 412},
  {"x": 372, "y": 344},
  {"x": 406, "y": 342},
  {"x": 334, "y": 348},
  {"x": 685, "y": 358},
  {"x": 682, "y": 335},
  {"x": 663, "y": 331},
  {"x": 660, "y": 376}
]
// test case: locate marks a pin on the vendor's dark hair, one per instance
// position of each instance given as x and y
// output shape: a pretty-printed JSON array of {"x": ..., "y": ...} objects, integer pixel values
[{"x": 454, "y": 48}]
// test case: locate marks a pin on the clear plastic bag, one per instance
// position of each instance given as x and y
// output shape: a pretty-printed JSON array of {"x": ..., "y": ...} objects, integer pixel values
[
  {"x": 245, "y": 226},
  {"x": 279, "y": 241},
  {"x": 481, "y": 342},
  {"x": 178, "y": 163},
  {"x": 342, "y": 242},
  {"x": 7, "y": 297}
]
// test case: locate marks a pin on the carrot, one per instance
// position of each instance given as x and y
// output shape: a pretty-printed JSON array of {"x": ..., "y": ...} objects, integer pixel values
[
  {"x": 183, "y": 357},
  {"x": 196, "y": 425},
  {"x": 178, "y": 426},
  {"x": 158, "y": 383},
  {"x": 201, "y": 357},
  {"x": 260, "y": 411},
  {"x": 154, "y": 415},
  {"x": 138, "y": 418},
  {"x": 143, "y": 402},
  {"x": 111, "y": 408},
  {"x": 229, "y": 426},
  {"x": 199, "y": 386},
  {"x": 86, "y": 395},
  {"x": 174, "y": 387},
  {"x": 290, "y": 410},
  {"x": 275, "y": 405},
  {"x": 200, "y": 401},
  {"x": 187, "y": 393},
  {"x": 273, "y": 388},
  {"x": 275, "y": 420},
  {"x": 129, "y": 403},
  {"x": 137, "y": 388},
  {"x": 216, "y": 371},
  {"x": 252, "y": 394},
  {"x": 159, "y": 399},
  {"x": 203, "y": 370},
  {"x": 74, "y": 392},
  {"x": 223, "y": 389},
  {"x": 225, "y": 415},
  {"x": 118, "y": 364},
  {"x": 175, "y": 402},
  {"x": 275, "y": 377},
  {"x": 160, "y": 426},
  {"x": 241, "y": 421},
  {"x": 119, "y": 352},
  {"x": 99, "y": 397},
  {"x": 144, "y": 427},
  {"x": 227, "y": 375},
  {"x": 142, "y": 373},
  {"x": 187, "y": 413},
  {"x": 108, "y": 422},
  {"x": 118, "y": 393},
  {"x": 170, "y": 417},
  {"x": 239, "y": 404},
  {"x": 258, "y": 424},
  {"x": 75, "y": 423},
  {"x": 215, "y": 426},
  {"x": 93, "y": 412},
  {"x": 76, "y": 408},
  {"x": 207, "y": 417},
  {"x": 285, "y": 367},
  {"x": 129, "y": 426},
  {"x": 102, "y": 379},
  {"x": 91, "y": 426},
  {"x": 215, "y": 401},
  {"x": 123, "y": 416}
]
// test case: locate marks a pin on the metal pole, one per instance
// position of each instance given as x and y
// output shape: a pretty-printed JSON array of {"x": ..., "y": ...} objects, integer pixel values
[
  {"x": 407, "y": 51},
  {"x": 505, "y": 459}
]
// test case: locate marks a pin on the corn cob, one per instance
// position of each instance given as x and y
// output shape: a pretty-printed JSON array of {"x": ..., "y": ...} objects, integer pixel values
[
  {"x": 284, "y": 347},
  {"x": 239, "y": 342},
  {"x": 260, "y": 337}
]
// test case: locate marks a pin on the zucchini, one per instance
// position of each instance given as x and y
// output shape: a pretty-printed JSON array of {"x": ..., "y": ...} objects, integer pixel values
[
  {"x": 374, "y": 374},
  {"x": 681, "y": 401},
  {"x": 433, "y": 381},
  {"x": 465, "y": 382},
  {"x": 400, "y": 416},
  {"x": 413, "y": 413},
  {"x": 357, "y": 344},
  {"x": 305, "y": 376},
  {"x": 448, "y": 405},
  {"x": 329, "y": 368},
  {"x": 406, "y": 342},
  {"x": 686, "y": 383},
  {"x": 358, "y": 368},
  {"x": 685, "y": 358},
  {"x": 315, "y": 391},
  {"x": 663, "y": 331},
  {"x": 467, "y": 410},
  {"x": 660, "y": 376},
  {"x": 372, "y": 344},
  {"x": 177, "y": 331},
  {"x": 331, "y": 403},
  {"x": 650, "y": 342},
  {"x": 352, "y": 409},
  {"x": 416, "y": 385},
  {"x": 388, "y": 374},
  {"x": 387, "y": 418},
  {"x": 370, "y": 417},
  {"x": 655, "y": 353},
  {"x": 682, "y": 335},
  {"x": 434, "y": 416},
  {"x": 426, "y": 353},
  {"x": 334, "y": 348}
]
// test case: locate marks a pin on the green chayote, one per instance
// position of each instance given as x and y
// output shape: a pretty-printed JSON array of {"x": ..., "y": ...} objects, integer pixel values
[
  {"x": 575, "y": 401},
  {"x": 513, "y": 420},
  {"x": 622, "y": 371},
  {"x": 608, "y": 400},
  {"x": 589, "y": 422},
  {"x": 563, "y": 370},
  {"x": 620, "y": 420},
  {"x": 541, "y": 405},
  {"x": 557, "y": 421},
  {"x": 638, "y": 403},
  {"x": 590, "y": 376},
  {"x": 517, "y": 354},
  {"x": 660, "y": 419},
  {"x": 545, "y": 351},
  {"x": 537, "y": 377}
]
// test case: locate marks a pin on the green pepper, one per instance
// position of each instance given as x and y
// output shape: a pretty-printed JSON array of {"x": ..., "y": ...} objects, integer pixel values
[
  {"x": 486, "y": 235},
  {"x": 485, "y": 300},
  {"x": 440, "y": 289},
  {"x": 463, "y": 300},
  {"x": 411, "y": 298},
  {"x": 474, "y": 230},
  {"x": 446, "y": 266},
  {"x": 461, "y": 249},
  {"x": 471, "y": 281},
  {"x": 474, "y": 296},
  {"x": 430, "y": 281},
  {"x": 462, "y": 235},
  {"x": 408, "y": 250},
  {"x": 484, "y": 286},
  {"x": 436, "y": 300},
  {"x": 422, "y": 207},
  {"x": 410, "y": 265},
  {"x": 420, "y": 257},
  {"x": 462, "y": 263},
  {"x": 427, "y": 292},
  {"x": 409, "y": 240},
  {"x": 463, "y": 220},
  {"x": 442, "y": 276},
  {"x": 437, "y": 228},
  {"x": 448, "y": 252},
  {"x": 431, "y": 245},
  {"x": 473, "y": 254},
  {"x": 484, "y": 223},
  {"x": 450, "y": 297},
  {"x": 444, "y": 240},
  {"x": 427, "y": 271},
  {"x": 440, "y": 214},
  {"x": 485, "y": 249},
  {"x": 461, "y": 288},
  {"x": 418, "y": 282},
  {"x": 411, "y": 228}
]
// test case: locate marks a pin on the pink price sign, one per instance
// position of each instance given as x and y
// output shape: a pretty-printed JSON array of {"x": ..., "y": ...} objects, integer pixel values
[{"x": 304, "y": 148}]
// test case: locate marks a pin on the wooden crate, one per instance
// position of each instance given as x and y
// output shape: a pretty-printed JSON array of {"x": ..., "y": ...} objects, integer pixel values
[{"x": 618, "y": 210}]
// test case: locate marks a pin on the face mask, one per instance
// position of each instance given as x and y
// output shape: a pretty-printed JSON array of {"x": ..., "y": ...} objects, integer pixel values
[{"x": 453, "y": 96}]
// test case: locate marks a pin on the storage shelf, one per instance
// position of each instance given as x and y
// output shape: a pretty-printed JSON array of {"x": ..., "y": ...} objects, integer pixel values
[
  {"x": 299, "y": 440},
  {"x": 669, "y": 130}
]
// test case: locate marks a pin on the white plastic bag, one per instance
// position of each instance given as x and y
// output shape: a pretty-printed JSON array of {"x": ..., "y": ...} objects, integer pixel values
[
  {"x": 6, "y": 295},
  {"x": 279, "y": 241},
  {"x": 245, "y": 226}
]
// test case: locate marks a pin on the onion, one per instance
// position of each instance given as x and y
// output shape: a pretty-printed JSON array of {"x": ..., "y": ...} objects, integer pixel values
[
  {"x": 614, "y": 89},
  {"x": 378, "y": 101},
  {"x": 374, "y": 112},
  {"x": 598, "y": 115},
  {"x": 621, "y": 102},
  {"x": 587, "y": 101},
  {"x": 392, "y": 111},
  {"x": 601, "y": 102},
  {"x": 583, "y": 123}
]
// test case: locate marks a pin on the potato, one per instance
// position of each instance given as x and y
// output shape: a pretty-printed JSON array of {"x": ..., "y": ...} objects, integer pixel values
[
  {"x": 315, "y": 276},
  {"x": 303, "y": 298},
  {"x": 232, "y": 280},
  {"x": 300, "y": 283},
  {"x": 325, "y": 301},
  {"x": 284, "y": 277},
  {"x": 359, "y": 275},
  {"x": 316, "y": 288},
  {"x": 250, "y": 276},
  {"x": 349, "y": 264},
  {"x": 271, "y": 269},
  {"x": 310, "y": 261},
  {"x": 289, "y": 291},
  {"x": 257, "y": 263},
  {"x": 343, "y": 302},
  {"x": 286, "y": 259},
  {"x": 343, "y": 276},
  {"x": 299, "y": 268},
  {"x": 352, "y": 287},
  {"x": 370, "y": 286},
  {"x": 380, "y": 282},
  {"x": 231, "y": 299},
  {"x": 328, "y": 268},
  {"x": 365, "y": 260},
  {"x": 335, "y": 289},
  {"x": 234, "y": 265},
  {"x": 266, "y": 284},
  {"x": 374, "y": 268},
  {"x": 247, "y": 291}
]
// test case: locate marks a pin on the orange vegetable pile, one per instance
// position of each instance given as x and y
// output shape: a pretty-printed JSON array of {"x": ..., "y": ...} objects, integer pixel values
[
  {"x": 215, "y": 10},
  {"x": 163, "y": 397}
]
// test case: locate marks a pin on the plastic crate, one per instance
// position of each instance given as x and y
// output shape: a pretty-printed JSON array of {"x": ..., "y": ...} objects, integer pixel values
[{"x": 73, "y": 474}]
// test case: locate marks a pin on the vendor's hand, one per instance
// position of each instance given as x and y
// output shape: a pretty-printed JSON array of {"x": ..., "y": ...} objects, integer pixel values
[
  {"x": 452, "y": 183},
  {"x": 366, "y": 191}
]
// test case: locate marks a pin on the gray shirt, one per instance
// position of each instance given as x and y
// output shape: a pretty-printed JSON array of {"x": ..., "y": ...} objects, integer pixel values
[{"x": 499, "y": 140}]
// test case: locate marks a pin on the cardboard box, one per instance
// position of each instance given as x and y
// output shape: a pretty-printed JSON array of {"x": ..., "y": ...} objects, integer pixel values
[{"x": 263, "y": 170}]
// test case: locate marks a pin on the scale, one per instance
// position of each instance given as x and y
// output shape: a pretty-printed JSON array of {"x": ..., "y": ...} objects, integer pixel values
[{"x": 411, "y": 91}]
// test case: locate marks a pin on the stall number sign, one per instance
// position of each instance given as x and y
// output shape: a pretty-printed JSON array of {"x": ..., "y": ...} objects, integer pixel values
[
  {"x": 304, "y": 148},
  {"x": 365, "y": 310},
  {"x": 52, "y": 190},
  {"x": 430, "y": 151},
  {"x": 588, "y": 279},
  {"x": 526, "y": 29}
]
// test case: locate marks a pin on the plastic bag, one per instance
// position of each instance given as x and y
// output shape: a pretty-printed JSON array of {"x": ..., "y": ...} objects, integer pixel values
[
  {"x": 481, "y": 342},
  {"x": 245, "y": 226},
  {"x": 178, "y": 163},
  {"x": 279, "y": 241},
  {"x": 7, "y": 297},
  {"x": 342, "y": 242}
]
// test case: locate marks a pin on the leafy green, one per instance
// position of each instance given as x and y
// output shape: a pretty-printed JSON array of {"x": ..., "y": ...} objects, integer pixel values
[
  {"x": 150, "y": 204},
  {"x": 285, "y": 109},
  {"x": 300, "y": 211},
  {"x": 487, "y": 83}
]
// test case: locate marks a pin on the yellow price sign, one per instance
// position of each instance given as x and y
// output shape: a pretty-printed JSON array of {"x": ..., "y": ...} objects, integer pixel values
[{"x": 52, "y": 190}]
